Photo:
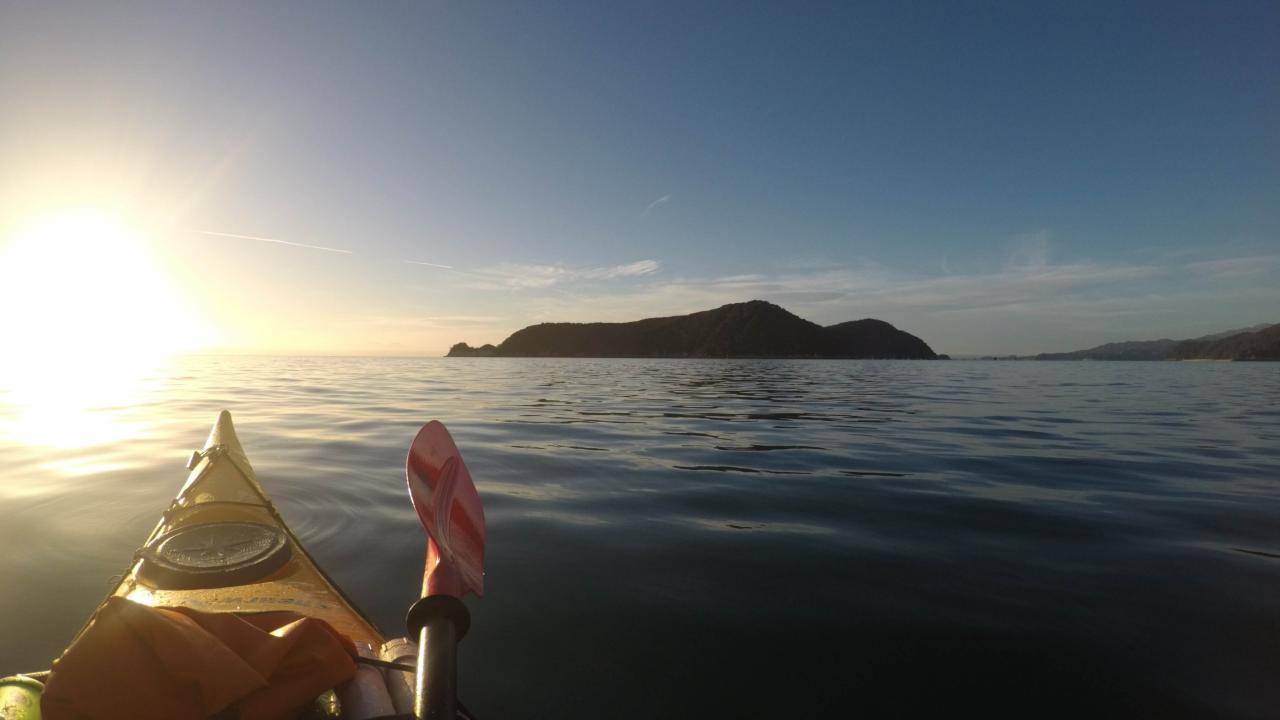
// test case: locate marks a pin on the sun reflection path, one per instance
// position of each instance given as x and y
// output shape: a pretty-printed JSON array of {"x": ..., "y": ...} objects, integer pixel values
[{"x": 76, "y": 410}]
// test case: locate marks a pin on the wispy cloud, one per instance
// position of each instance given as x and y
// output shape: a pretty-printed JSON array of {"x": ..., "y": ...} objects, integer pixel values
[
  {"x": 276, "y": 241},
  {"x": 1024, "y": 287},
  {"x": 1043, "y": 286},
  {"x": 1238, "y": 267},
  {"x": 1027, "y": 302},
  {"x": 656, "y": 204},
  {"x": 427, "y": 321},
  {"x": 516, "y": 276},
  {"x": 635, "y": 269}
]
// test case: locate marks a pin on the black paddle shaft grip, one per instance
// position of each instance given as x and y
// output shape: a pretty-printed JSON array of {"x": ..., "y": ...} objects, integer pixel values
[
  {"x": 434, "y": 606},
  {"x": 439, "y": 622}
]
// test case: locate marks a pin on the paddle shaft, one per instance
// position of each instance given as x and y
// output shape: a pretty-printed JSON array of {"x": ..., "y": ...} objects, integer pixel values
[
  {"x": 439, "y": 620},
  {"x": 436, "y": 688}
]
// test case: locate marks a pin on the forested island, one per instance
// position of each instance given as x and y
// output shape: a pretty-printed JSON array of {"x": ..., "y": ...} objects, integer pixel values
[{"x": 755, "y": 329}]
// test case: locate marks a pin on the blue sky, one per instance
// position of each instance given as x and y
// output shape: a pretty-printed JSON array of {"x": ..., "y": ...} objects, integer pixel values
[{"x": 994, "y": 177}]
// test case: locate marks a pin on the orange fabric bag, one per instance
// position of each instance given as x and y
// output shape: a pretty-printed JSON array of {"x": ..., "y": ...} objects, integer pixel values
[{"x": 135, "y": 662}]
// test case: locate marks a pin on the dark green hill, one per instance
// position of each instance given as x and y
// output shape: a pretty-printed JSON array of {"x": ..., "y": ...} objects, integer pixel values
[{"x": 750, "y": 329}]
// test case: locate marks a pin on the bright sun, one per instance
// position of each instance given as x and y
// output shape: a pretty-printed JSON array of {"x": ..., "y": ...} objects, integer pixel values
[
  {"x": 87, "y": 312},
  {"x": 81, "y": 283}
]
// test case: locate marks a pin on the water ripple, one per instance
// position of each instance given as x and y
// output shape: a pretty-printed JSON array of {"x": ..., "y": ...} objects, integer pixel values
[{"x": 1087, "y": 532}]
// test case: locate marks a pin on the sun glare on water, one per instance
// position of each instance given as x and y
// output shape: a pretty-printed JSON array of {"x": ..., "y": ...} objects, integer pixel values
[{"x": 88, "y": 316}]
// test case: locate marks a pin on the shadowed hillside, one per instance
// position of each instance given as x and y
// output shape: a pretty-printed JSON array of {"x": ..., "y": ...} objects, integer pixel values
[
  {"x": 1260, "y": 342},
  {"x": 886, "y": 340},
  {"x": 1132, "y": 350},
  {"x": 750, "y": 329},
  {"x": 1260, "y": 345}
]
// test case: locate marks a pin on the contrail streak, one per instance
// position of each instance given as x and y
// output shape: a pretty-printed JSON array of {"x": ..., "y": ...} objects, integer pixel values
[
  {"x": 429, "y": 264},
  {"x": 276, "y": 241},
  {"x": 656, "y": 204}
]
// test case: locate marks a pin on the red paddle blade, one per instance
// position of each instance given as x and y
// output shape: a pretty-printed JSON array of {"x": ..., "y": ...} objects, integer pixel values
[{"x": 449, "y": 508}]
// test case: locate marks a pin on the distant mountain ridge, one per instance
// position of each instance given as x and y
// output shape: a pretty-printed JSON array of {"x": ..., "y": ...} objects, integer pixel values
[
  {"x": 1229, "y": 333},
  {"x": 1259, "y": 342},
  {"x": 1259, "y": 345},
  {"x": 749, "y": 329},
  {"x": 1131, "y": 350}
]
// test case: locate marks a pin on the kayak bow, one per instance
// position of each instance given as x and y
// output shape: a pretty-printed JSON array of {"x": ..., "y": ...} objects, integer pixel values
[{"x": 221, "y": 546}]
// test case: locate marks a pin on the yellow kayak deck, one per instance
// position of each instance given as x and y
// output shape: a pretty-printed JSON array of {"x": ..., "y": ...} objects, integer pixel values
[{"x": 221, "y": 498}]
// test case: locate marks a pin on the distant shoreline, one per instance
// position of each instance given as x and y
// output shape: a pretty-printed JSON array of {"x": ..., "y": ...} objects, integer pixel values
[{"x": 941, "y": 356}]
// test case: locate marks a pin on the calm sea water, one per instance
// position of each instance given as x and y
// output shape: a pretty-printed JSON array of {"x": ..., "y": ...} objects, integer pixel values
[{"x": 670, "y": 538}]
